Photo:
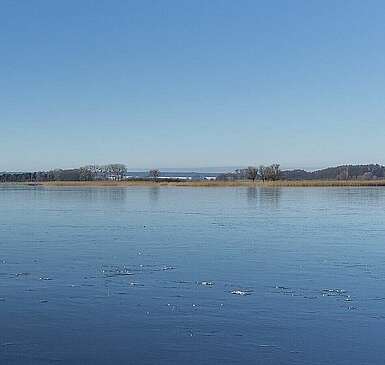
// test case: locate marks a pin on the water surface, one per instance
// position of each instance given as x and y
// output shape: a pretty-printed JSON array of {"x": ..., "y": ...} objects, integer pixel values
[{"x": 192, "y": 275}]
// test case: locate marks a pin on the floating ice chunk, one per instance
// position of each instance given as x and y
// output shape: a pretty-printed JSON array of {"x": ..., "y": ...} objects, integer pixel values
[
  {"x": 22, "y": 274},
  {"x": 282, "y": 287},
  {"x": 207, "y": 283},
  {"x": 241, "y": 292},
  {"x": 166, "y": 268},
  {"x": 135, "y": 284},
  {"x": 116, "y": 271},
  {"x": 333, "y": 292}
]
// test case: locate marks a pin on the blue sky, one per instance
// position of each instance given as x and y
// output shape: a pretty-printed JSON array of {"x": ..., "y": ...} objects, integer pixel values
[{"x": 178, "y": 83}]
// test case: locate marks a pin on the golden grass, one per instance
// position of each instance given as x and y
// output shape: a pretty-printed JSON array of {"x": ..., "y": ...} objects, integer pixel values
[{"x": 241, "y": 183}]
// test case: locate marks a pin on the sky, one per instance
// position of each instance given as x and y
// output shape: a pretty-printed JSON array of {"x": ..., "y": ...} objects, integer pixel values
[{"x": 178, "y": 83}]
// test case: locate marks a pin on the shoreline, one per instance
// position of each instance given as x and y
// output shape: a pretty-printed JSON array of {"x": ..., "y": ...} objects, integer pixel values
[{"x": 240, "y": 183}]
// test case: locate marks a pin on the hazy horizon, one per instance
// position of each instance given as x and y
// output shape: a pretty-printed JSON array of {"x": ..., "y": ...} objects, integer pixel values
[{"x": 209, "y": 169}]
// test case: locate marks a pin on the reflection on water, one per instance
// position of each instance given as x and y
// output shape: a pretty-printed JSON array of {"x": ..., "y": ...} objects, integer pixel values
[
  {"x": 216, "y": 276},
  {"x": 114, "y": 194},
  {"x": 264, "y": 196},
  {"x": 270, "y": 196},
  {"x": 252, "y": 195},
  {"x": 75, "y": 194},
  {"x": 154, "y": 192}
]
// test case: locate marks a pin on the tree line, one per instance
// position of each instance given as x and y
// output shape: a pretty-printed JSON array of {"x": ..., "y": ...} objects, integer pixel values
[
  {"x": 264, "y": 173},
  {"x": 115, "y": 171},
  {"x": 273, "y": 172}
]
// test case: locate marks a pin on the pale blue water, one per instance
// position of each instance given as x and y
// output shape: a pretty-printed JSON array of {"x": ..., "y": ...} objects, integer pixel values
[{"x": 117, "y": 276}]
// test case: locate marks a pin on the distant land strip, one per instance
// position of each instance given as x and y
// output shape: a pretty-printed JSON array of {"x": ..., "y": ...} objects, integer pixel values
[{"x": 272, "y": 175}]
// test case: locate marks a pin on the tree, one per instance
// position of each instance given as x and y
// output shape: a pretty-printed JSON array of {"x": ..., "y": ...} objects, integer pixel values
[
  {"x": 252, "y": 173},
  {"x": 275, "y": 171},
  {"x": 120, "y": 170},
  {"x": 86, "y": 174},
  {"x": 154, "y": 173},
  {"x": 272, "y": 172},
  {"x": 262, "y": 172},
  {"x": 117, "y": 170}
]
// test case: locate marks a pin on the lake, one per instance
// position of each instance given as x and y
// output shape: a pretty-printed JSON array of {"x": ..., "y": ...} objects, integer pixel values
[{"x": 192, "y": 275}]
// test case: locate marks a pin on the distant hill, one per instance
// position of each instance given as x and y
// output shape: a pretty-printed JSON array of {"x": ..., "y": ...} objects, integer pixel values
[{"x": 344, "y": 172}]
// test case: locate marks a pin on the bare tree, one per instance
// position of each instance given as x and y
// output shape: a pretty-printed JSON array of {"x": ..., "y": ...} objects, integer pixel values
[
  {"x": 275, "y": 171},
  {"x": 154, "y": 173},
  {"x": 272, "y": 172},
  {"x": 252, "y": 173},
  {"x": 262, "y": 172},
  {"x": 86, "y": 174},
  {"x": 117, "y": 170}
]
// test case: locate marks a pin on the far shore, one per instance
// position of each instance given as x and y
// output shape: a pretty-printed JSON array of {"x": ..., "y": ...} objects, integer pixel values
[{"x": 237, "y": 183}]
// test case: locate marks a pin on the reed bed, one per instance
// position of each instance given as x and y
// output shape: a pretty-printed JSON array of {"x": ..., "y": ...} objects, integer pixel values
[{"x": 238, "y": 183}]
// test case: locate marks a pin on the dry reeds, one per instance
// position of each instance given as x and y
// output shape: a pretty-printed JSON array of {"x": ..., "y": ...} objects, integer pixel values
[{"x": 206, "y": 183}]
